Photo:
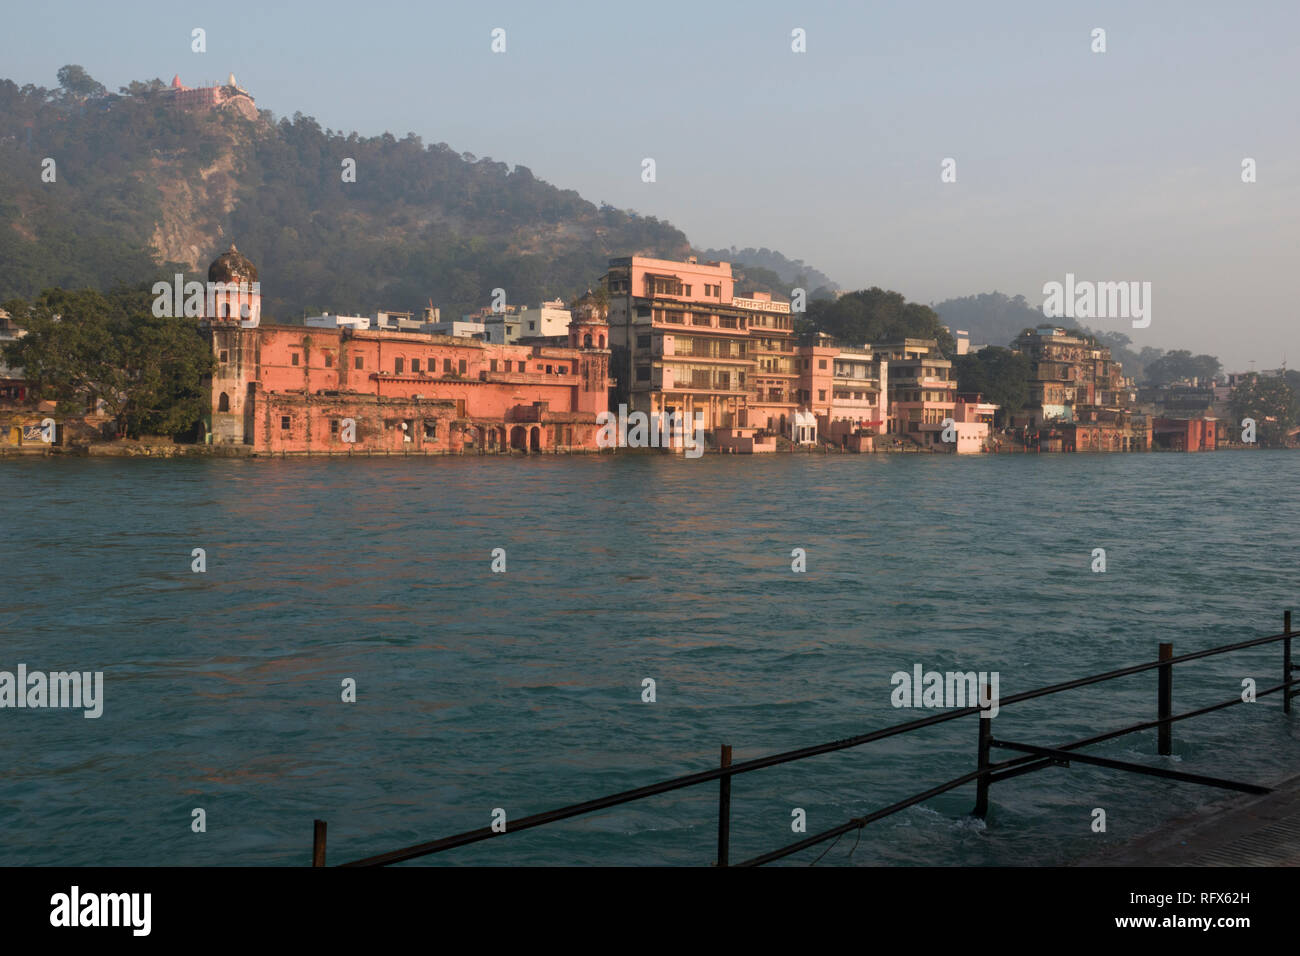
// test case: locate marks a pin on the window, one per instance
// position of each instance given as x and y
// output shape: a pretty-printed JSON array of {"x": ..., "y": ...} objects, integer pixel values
[
  {"x": 462, "y": 366},
  {"x": 399, "y": 366},
  {"x": 532, "y": 326},
  {"x": 821, "y": 394},
  {"x": 223, "y": 403},
  {"x": 415, "y": 365},
  {"x": 643, "y": 373},
  {"x": 284, "y": 423},
  {"x": 642, "y": 342},
  {"x": 446, "y": 366},
  {"x": 294, "y": 358},
  {"x": 329, "y": 359},
  {"x": 357, "y": 363},
  {"x": 430, "y": 430},
  {"x": 688, "y": 290},
  {"x": 224, "y": 357},
  {"x": 492, "y": 365}
]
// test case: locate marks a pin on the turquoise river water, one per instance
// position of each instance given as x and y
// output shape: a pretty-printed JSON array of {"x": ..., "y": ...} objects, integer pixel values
[{"x": 523, "y": 690}]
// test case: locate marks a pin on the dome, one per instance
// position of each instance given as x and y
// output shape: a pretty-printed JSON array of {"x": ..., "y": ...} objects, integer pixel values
[
  {"x": 232, "y": 266},
  {"x": 590, "y": 308}
]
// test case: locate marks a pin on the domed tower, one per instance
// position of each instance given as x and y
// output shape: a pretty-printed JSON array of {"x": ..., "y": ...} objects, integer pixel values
[
  {"x": 234, "y": 292},
  {"x": 589, "y": 329},
  {"x": 233, "y": 309}
]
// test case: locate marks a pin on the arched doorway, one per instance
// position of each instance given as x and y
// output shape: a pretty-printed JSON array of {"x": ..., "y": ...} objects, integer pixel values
[
  {"x": 535, "y": 438},
  {"x": 519, "y": 438}
]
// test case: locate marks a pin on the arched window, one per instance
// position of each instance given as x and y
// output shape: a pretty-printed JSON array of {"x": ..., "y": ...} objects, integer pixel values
[
  {"x": 586, "y": 341},
  {"x": 223, "y": 403},
  {"x": 602, "y": 341}
]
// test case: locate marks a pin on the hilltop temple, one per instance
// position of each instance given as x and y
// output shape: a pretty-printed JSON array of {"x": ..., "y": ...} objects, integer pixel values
[{"x": 229, "y": 95}]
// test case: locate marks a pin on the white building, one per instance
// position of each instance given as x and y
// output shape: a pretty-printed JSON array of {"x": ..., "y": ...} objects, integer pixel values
[
  {"x": 803, "y": 427},
  {"x": 328, "y": 321},
  {"x": 548, "y": 319},
  {"x": 460, "y": 328}
]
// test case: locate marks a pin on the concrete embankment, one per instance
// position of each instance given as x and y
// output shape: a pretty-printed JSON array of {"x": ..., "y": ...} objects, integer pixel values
[{"x": 1240, "y": 831}]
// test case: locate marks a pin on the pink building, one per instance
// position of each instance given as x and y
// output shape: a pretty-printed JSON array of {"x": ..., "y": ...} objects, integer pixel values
[
  {"x": 212, "y": 97},
  {"x": 683, "y": 341},
  {"x": 847, "y": 389},
  {"x": 294, "y": 389}
]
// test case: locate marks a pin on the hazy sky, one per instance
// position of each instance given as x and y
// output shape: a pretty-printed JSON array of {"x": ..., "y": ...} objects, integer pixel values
[{"x": 1123, "y": 165}]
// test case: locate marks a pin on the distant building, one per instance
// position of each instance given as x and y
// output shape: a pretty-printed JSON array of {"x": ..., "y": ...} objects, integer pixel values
[
  {"x": 456, "y": 328},
  {"x": 229, "y": 95},
  {"x": 328, "y": 321},
  {"x": 548, "y": 320}
]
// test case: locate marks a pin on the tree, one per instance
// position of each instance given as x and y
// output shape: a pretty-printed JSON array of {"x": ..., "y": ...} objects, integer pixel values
[
  {"x": 1000, "y": 375},
  {"x": 1180, "y": 364},
  {"x": 78, "y": 84},
  {"x": 84, "y": 346},
  {"x": 1271, "y": 403},
  {"x": 137, "y": 88},
  {"x": 877, "y": 316}
]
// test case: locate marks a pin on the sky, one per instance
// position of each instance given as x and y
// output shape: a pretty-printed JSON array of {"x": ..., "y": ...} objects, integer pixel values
[{"x": 1123, "y": 165}]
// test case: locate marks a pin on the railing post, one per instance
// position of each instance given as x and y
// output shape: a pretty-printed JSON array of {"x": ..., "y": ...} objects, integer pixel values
[
  {"x": 724, "y": 810},
  {"x": 1286, "y": 663},
  {"x": 318, "y": 844},
  {"x": 1165, "y": 702},
  {"x": 982, "y": 760}
]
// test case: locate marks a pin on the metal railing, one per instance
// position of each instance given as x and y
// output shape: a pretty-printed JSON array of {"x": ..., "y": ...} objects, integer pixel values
[{"x": 986, "y": 773}]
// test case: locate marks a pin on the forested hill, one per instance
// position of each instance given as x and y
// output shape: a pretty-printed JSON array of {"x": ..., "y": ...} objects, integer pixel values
[{"x": 138, "y": 187}]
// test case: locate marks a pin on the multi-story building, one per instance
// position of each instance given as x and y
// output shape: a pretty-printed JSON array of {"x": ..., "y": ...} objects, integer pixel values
[
  {"x": 1067, "y": 370},
  {"x": 1079, "y": 399},
  {"x": 921, "y": 387},
  {"x": 336, "y": 390},
  {"x": 683, "y": 342},
  {"x": 547, "y": 320},
  {"x": 847, "y": 389}
]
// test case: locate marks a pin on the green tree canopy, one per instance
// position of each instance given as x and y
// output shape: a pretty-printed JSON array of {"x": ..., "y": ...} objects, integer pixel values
[
  {"x": 78, "y": 84},
  {"x": 85, "y": 346},
  {"x": 1271, "y": 403},
  {"x": 1180, "y": 364},
  {"x": 877, "y": 316},
  {"x": 1000, "y": 375}
]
